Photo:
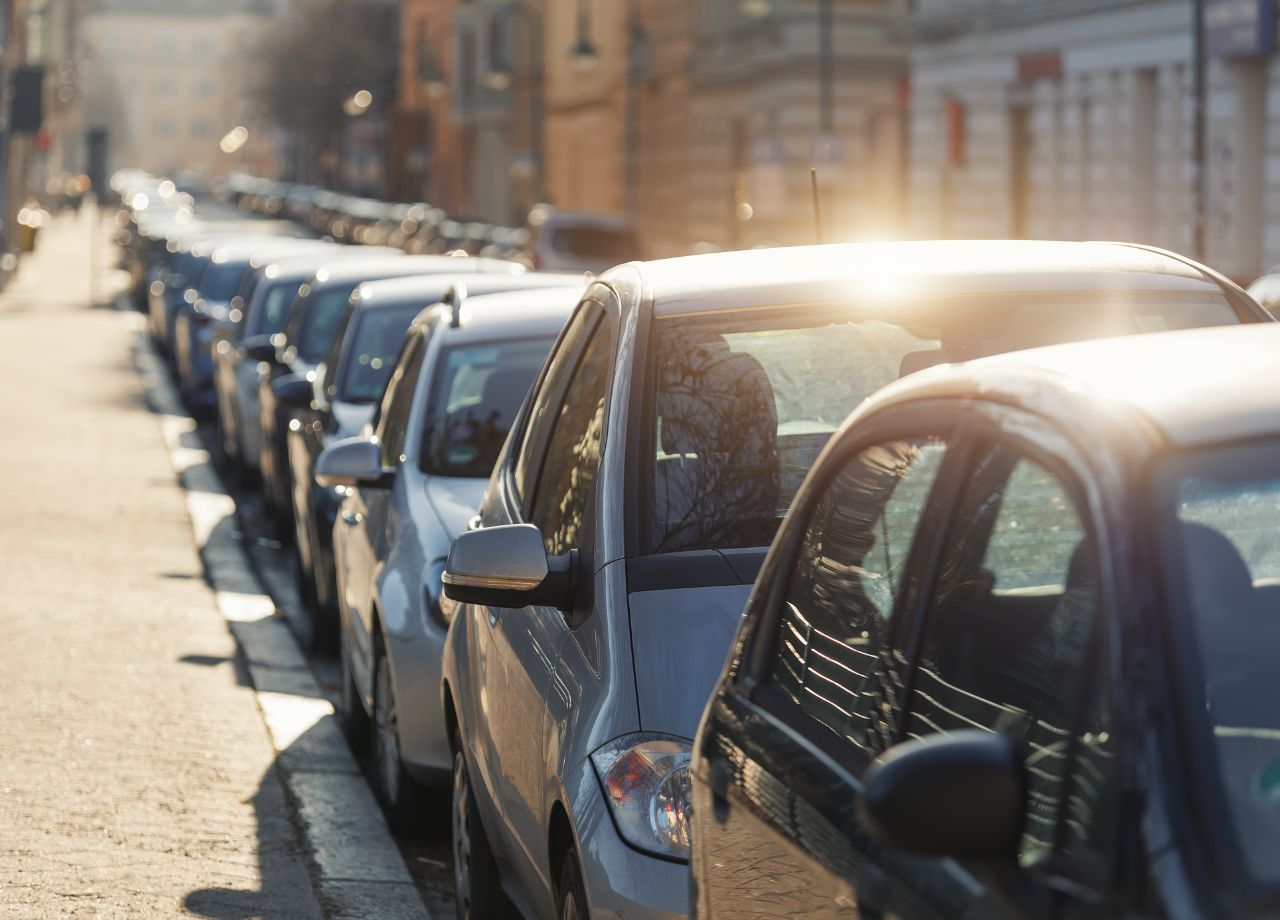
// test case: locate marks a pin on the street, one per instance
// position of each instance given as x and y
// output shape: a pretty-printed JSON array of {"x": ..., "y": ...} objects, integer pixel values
[{"x": 145, "y": 775}]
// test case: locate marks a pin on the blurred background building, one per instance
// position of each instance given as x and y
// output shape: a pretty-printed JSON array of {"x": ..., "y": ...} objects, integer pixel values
[{"x": 175, "y": 82}]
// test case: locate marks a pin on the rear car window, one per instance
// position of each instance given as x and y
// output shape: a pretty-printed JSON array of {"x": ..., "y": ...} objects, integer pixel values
[
  {"x": 744, "y": 400},
  {"x": 370, "y": 353}
]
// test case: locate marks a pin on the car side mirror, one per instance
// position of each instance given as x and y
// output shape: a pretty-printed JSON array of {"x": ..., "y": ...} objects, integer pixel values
[
  {"x": 508, "y": 566},
  {"x": 258, "y": 348},
  {"x": 961, "y": 795},
  {"x": 353, "y": 462},
  {"x": 295, "y": 391}
]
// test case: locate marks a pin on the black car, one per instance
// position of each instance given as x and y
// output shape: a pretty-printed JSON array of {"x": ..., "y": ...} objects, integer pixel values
[
  {"x": 1012, "y": 653},
  {"x": 338, "y": 400}
]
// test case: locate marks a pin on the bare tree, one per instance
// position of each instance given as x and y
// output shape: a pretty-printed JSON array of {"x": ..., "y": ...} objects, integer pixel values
[{"x": 317, "y": 58}]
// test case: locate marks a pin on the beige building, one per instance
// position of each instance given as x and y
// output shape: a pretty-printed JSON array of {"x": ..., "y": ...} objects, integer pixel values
[{"x": 172, "y": 80}]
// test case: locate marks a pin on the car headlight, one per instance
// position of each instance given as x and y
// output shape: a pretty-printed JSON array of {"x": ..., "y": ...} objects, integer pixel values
[{"x": 646, "y": 783}]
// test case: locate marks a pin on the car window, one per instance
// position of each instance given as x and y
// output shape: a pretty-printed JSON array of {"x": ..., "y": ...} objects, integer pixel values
[
  {"x": 397, "y": 401},
  {"x": 1007, "y": 646},
  {"x": 560, "y": 365},
  {"x": 845, "y": 580},
  {"x": 565, "y": 486},
  {"x": 272, "y": 308},
  {"x": 1221, "y": 549},
  {"x": 371, "y": 348},
  {"x": 319, "y": 323},
  {"x": 745, "y": 400},
  {"x": 475, "y": 396}
]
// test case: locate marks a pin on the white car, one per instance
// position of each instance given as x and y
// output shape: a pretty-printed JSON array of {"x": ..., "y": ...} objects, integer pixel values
[{"x": 413, "y": 486}]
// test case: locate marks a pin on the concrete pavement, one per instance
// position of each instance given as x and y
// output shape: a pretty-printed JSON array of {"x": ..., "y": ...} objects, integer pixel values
[{"x": 139, "y": 777}]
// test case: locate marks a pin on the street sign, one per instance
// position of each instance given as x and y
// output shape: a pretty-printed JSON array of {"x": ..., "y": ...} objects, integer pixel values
[{"x": 1239, "y": 28}]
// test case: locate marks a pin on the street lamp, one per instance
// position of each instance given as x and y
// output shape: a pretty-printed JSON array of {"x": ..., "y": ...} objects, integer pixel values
[
  {"x": 759, "y": 9},
  {"x": 499, "y": 75},
  {"x": 755, "y": 9}
]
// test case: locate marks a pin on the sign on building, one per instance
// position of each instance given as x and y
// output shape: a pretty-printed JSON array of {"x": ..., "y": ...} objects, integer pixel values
[{"x": 1239, "y": 28}]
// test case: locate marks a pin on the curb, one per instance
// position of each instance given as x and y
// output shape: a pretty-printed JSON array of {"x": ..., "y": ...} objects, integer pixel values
[{"x": 356, "y": 867}]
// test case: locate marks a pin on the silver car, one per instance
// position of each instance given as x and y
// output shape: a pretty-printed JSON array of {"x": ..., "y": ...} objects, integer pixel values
[
  {"x": 592, "y": 608},
  {"x": 462, "y": 373}
]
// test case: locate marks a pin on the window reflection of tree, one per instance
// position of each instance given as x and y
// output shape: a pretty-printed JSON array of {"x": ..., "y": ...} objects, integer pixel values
[
  {"x": 567, "y": 482},
  {"x": 843, "y": 588},
  {"x": 716, "y": 480}
]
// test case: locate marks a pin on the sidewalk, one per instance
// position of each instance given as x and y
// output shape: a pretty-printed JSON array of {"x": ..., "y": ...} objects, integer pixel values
[{"x": 137, "y": 775}]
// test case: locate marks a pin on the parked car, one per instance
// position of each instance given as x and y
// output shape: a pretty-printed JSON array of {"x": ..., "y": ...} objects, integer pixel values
[
  {"x": 208, "y": 304},
  {"x": 412, "y": 487},
  {"x": 263, "y": 306},
  {"x": 1010, "y": 654},
  {"x": 633, "y": 504},
  {"x": 580, "y": 241},
  {"x": 338, "y": 401},
  {"x": 305, "y": 339}
]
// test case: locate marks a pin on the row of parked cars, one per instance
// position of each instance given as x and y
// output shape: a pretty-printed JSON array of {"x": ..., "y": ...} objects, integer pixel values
[
  {"x": 551, "y": 240},
  {"x": 822, "y": 581}
]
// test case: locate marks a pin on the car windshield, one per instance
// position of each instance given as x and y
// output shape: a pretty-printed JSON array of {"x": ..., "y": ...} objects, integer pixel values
[
  {"x": 371, "y": 352},
  {"x": 220, "y": 281},
  {"x": 273, "y": 308},
  {"x": 324, "y": 312},
  {"x": 745, "y": 400},
  {"x": 1223, "y": 564},
  {"x": 476, "y": 393}
]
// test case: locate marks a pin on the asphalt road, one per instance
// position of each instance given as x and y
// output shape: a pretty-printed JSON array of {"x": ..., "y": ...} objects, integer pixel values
[{"x": 168, "y": 750}]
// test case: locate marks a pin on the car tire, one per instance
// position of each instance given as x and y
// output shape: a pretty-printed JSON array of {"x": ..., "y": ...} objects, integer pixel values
[
  {"x": 571, "y": 893},
  {"x": 403, "y": 799},
  {"x": 355, "y": 720},
  {"x": 477, "y": 888}
]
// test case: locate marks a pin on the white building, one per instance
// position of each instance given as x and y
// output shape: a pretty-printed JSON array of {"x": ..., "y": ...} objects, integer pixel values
[{"x": 1073, "y": 119}]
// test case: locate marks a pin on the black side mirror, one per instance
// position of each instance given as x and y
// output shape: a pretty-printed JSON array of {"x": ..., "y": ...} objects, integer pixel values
[
  {"x": 962, "y": 795},
  {"x": 508, "y": 567},
  {"x": 258, "y": 348},
  {"x": 294, "y": 391}
]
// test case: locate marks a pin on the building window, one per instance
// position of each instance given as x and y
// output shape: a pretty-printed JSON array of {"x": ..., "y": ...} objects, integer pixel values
[
  {"x": 162, "y": 127},
  {"x": 162, "y": 86},
  {"x": 203, "y": 87},
  {"x": 201, "y": 129}
]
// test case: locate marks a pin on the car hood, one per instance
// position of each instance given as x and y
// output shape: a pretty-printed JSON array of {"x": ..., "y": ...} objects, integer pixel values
[
  {"x": 351, "y": 418},
  {"x": 455, "y": 499},
  {"x": 680, "y": 638}
]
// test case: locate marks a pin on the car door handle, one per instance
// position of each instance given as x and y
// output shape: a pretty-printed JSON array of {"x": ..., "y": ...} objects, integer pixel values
[
  {"x": 352, "y": 517},
  {"x": 719, "y": 778}
]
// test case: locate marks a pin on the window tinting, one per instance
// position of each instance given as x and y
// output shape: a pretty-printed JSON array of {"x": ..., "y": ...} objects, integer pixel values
[
  {"x": 371, "y": 351},
  {"x": 474, "y": 400},
  {"x": 566, "y": 485},
  {"x": 845, "y": 582},
  {"x": 220, "y": 281},
  {"x": 273, "y": 308},
  {"x": 1007, "y": 648}
]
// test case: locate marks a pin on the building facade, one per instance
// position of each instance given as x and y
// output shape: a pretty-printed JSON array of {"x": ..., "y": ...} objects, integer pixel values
[
  {"x": 1076, "y": 120},
  {"x": 174, "y": 78}
]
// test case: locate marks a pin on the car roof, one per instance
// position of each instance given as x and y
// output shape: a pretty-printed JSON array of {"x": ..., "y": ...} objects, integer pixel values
[
  {"x": 510, "y": 314},
  {"x": 1189, "y": 388},
  {"x": 305, "y": 264},
  {"x": 430, "y": 289},
  {"x": 906, "y": 271},
  {"x": 353, "y": 271}
]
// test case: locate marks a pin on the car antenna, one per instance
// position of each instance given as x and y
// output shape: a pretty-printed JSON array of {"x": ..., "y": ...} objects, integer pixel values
[
  {"x": 457, "y": 294},
  {"x": 817, "y": 204}
]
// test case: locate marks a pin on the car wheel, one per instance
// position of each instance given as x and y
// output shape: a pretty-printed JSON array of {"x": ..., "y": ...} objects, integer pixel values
[
  {"x": 355, "y": 721},
  {"x": 571, "y": 893},
  {"x": 400, "y": 794},
  {"x": 477, "y": 890}
]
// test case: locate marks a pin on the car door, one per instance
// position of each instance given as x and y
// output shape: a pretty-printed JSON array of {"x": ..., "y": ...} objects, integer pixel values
[
  {"x": 364, "y": 514},
  {"x": 1012, "y": 640},
  {"x": 555, "y": 487},
  {"x": 785, "y": 739}
]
